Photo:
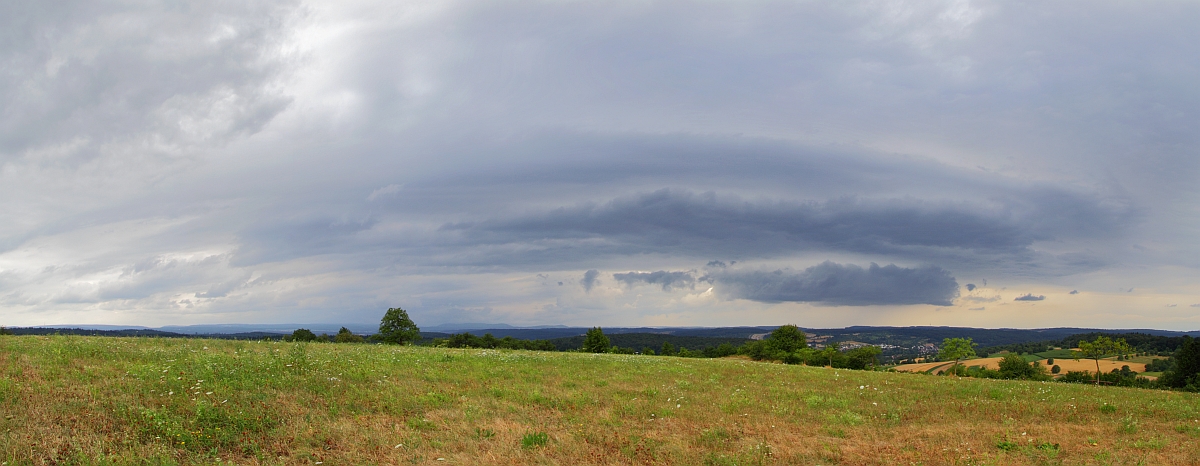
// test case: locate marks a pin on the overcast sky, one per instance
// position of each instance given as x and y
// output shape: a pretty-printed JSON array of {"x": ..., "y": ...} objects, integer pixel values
[{"x": 989, "y": 164}]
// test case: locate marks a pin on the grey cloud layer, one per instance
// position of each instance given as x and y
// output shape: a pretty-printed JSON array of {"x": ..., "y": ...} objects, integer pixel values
[
  {"x": 310, "y": 140},
  {"x": 828, "y": 283},
  {"x": 666, "y": 279},
  {"x": 841, "y": 284},
  {"x": 682, "y": 222}
]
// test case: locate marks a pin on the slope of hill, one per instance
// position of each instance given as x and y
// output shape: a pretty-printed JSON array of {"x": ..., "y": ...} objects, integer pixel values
[{"x": 89, "y": 400}]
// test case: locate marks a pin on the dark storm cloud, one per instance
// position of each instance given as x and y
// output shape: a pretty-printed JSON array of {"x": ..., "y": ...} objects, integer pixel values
[
  {"x": 840, "y": 284},
  {"x": 682, "y": 222},
  {"x": 970, "y": 287},
  {"x": 1030, "y": 297},
  {"x": 666, "y": 279}
]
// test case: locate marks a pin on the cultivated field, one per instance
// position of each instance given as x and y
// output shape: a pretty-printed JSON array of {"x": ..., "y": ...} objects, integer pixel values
[
  {"x": 1106, "y": 365},
  {"x": 92, "y": 400}
]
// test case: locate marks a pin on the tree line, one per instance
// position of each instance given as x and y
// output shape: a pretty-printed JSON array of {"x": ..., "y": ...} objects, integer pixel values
[
  {"x": 1142, "y": 342},
  {"x": 787, "y": 344},
  {"x": 394, "y": 328}
]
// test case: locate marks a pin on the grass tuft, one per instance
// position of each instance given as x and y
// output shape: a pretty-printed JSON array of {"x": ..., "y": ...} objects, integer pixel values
[{"x": 534, "y": 440}]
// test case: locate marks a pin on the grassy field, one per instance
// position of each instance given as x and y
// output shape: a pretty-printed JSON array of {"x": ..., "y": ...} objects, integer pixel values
[{"x": 95, "y": 400}]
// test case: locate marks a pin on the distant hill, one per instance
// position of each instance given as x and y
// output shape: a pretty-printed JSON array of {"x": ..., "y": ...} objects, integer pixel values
[{"x": 904, "y": 337}]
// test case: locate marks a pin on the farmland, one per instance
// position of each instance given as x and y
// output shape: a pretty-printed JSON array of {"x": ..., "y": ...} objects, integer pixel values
[
  {"x": 96, "y": 400},
  {"x": 1106, "y": 365}
]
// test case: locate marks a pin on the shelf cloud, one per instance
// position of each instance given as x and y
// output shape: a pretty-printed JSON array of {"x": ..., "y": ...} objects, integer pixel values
[{"x": 310, "y": 160}]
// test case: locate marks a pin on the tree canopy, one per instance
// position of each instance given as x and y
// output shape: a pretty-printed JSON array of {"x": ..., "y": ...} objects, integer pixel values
[
  {"x": 956, "y": 349},
  {"x": 397, "y": 328},
  {"x": 1102, "y": 347},
  {"x": 595, "y": 341},
  {"x": 786, "y": 339},
  {"x": 303, "y": 334},
  {"x": 1186, "y": 373}
]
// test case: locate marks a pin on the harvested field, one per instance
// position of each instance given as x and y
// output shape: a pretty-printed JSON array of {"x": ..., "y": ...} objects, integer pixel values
[
  {"x": 923, "y": 367},
  {"x": 1106, "y": 365},
  {"x": 934, "y": 367}
]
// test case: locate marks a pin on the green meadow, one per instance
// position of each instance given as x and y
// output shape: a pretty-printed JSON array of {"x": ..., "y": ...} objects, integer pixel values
[{"x": 98, "y": 400}]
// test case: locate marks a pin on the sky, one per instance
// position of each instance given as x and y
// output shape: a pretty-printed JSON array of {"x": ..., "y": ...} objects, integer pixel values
[{"x": 623, "y": 163}]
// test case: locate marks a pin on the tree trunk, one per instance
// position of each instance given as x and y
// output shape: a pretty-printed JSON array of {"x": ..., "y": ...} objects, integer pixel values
[{"x": 1097, "y": 371}]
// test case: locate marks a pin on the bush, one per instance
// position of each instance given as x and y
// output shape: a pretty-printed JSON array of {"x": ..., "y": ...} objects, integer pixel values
[
  {"x": 620, "y": 350},
  {"x": 346, "y": 336},
  {"x": 1055, "y": 369},
  {"x": 1077, "y": 377},
  {"x": 862, "y": 358},
  {"x": 1013, "y": 366}
]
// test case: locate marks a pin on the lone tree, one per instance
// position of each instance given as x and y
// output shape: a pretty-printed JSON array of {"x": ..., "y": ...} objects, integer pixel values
[
  {"x": 786, "y": 339},
  {"x": 595, "y": 341},
  {"x": 1102, "y": 347},
  {"x": 956, "y": 349},
  {"x": 396, "y": 328}
]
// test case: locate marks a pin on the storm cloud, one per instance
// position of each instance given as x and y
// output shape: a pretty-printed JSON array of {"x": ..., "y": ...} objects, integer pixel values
[
  {"x": 841, "y": 285},
  {"x": 1030, "y": 297},
  {"x": 684, "y": 222},
  {"x": 313, "y": 160}
]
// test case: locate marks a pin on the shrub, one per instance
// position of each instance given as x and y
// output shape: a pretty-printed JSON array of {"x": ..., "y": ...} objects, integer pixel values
[
  {"x": 1013, "y": 366},
  {"x": 1076, "y": 377},
  {"x": 303, "y": 334},
  {"x": 346, "y": 336}
]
